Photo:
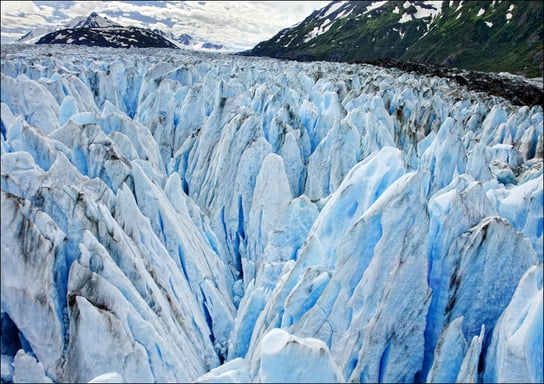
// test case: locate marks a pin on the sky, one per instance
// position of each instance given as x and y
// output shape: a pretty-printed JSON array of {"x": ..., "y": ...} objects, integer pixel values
[{"x": 237, "y": 24}]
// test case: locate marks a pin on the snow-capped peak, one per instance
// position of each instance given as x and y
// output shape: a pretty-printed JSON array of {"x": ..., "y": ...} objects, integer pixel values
[{"x": 94, "y": 20}]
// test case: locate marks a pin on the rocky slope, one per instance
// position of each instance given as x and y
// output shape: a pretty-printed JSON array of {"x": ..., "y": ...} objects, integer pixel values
[
  {"x": 486, "y": 36},
  {"x": 114, "y": 37}
]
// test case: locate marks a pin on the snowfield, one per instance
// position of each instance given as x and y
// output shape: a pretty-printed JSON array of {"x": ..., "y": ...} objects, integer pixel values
[{"x": 172, "y": 217}]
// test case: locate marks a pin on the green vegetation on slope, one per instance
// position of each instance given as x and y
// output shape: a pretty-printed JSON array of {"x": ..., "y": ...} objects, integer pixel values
[
  {"x": 489, "y": 42},
  {"x": 487, "y": 36}
]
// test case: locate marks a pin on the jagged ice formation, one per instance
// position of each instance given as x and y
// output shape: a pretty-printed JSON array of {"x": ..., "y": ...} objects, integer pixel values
[{"x": 170, "y": 216}]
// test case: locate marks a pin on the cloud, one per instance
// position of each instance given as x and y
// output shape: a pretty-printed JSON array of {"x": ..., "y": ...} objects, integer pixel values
[
  {"x": 240, "y": 24},
  {"x": 47, "y": 11},
  {"x": 81, "y": 8},
  {"x": 15, "y": 8},
  {"x": 158, "y": 25}
]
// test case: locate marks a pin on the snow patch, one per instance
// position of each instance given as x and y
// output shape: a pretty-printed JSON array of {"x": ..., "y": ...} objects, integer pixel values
[
  {"x": 344, "y": 14},
  {"x": 436, "y": 8},
  {"x": 459, "y": 6},
  {"x": 421, "y": 12},
  {"x": 333, "y": 8},
  {"x": 406, "y": 17},
  {"x": 373, "y": 6},
  {"x": 318, "y": 30}
]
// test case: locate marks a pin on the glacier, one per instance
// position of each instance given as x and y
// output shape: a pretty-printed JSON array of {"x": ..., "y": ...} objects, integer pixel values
[{"x": 172, "y": 216}]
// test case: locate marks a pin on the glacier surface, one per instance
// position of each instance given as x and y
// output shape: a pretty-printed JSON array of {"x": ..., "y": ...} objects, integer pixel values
[{"x": 172, "y": 217}]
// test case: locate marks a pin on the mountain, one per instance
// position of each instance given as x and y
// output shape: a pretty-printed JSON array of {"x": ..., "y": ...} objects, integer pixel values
[
  {"x": 189, "y": 42},
  {"x": 96, "y": 30},
  {"x": 184, "y": 39},
  {"x": 200, "y": 217},
  {"x": 115, "y": 37},
  {"x": 33, "y": 36},
  {"x": 94, "y": 20},
  {"x": 497, "y": 36},
  {"x": 212, "y": 46}
]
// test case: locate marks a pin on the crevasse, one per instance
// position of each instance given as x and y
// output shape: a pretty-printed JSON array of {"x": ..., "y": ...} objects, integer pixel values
[{"x": 173, "y": 216}]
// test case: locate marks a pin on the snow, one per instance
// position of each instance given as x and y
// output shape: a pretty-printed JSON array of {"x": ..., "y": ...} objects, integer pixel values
[
  {"x": 333, "y": 8},
  {"x": 233, "y": 371},
  {"x": 344, "y": 14},
  {"x": 312, "y": 34},
  {"x": 28, "y": 370},
  {"x": 459, "y": 6},
  {"x": 421, "y": 12},
  {"x": 374, "y": 5},
  {"x": 290, "y": 41},
  {"x": 217, "y": 218},
  {"x": 406, "y": 17},
  {"x": 35, "y": 35},
  {"x": 436, "y": 8},
  {"x": 290, "y": 359},
  {"x": 110, "y": 377},
  {"x": 319, "y": 30},
  {"x": 93, "y": 20},
  {"x": 282, "y": 358}
]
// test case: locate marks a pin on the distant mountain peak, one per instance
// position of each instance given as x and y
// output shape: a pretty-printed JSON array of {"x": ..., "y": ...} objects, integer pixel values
[
  {"x": 95, "y": 30},
  {"x": 84, "y": 30},
  {"x": 94, "y": 20}
]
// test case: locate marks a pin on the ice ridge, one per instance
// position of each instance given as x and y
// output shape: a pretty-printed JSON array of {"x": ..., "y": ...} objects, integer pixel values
[{"x": 170, "y": 216}]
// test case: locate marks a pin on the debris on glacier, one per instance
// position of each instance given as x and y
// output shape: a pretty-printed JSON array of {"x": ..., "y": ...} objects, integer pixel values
[{"x": 170, "y": 216}]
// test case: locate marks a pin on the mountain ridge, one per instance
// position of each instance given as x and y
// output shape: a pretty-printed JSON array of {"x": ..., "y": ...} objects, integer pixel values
[
  {"x": 498, "y": 36},
  {"x": 92, "y": 20},
  {"x": 97, "y": 30},
  {"x": 115, "y": 37}
]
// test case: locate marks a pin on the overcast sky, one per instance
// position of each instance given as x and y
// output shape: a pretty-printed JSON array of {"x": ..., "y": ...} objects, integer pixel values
[{"x": 240, "y": 24}]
